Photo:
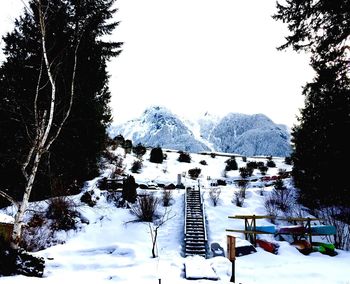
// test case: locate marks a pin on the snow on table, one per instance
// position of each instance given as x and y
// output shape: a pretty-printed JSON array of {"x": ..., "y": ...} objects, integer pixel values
[{"x": 197, "y": 267}]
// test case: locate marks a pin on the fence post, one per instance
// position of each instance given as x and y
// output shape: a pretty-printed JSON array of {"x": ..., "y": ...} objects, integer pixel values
[{"x": 231, "y": 254}]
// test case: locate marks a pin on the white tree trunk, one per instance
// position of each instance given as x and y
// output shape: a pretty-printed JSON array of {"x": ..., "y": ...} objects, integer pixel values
[
  {"x": 18, "y": 222},
  {"x": 44, "y": 136}
]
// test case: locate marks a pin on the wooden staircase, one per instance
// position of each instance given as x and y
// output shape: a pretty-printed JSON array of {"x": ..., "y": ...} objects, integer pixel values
[{"x": 195, "y": 231}]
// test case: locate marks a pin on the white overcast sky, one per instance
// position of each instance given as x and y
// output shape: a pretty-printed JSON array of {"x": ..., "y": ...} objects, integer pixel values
[{"x": 193, "y": 56}]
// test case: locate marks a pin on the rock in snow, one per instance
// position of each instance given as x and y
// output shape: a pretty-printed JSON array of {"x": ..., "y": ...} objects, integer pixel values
[{"x": 243, "y": 134}]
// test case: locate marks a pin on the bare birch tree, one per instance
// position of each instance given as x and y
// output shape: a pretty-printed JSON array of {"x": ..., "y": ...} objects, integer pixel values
[{"x": 44, "y": 132}]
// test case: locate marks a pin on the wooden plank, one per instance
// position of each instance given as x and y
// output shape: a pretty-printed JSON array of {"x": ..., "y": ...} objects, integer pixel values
[
  {"x": 251, "y": 217},
  {"x": 249, "y": 232},
  {"x": 298, "y": 219}
]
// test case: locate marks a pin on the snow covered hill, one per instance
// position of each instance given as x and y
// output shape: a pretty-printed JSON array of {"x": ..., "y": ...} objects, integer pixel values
[
  {"x": 114, "y": 249},
  {"x": 249, "y": 135}
]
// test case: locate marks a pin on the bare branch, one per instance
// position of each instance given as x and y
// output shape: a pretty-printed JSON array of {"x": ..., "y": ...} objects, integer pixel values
[{"x": 9, "y": 198}]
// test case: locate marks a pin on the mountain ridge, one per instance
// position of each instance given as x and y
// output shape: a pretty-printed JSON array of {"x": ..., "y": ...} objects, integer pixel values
[{"x": 243, "y": 134}]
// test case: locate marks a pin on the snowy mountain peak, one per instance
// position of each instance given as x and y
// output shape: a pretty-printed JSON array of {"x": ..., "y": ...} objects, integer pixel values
[{"x": 235, "y": 133}]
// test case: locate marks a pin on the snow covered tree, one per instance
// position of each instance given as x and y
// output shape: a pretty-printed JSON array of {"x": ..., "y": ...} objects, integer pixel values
[{"x": 320, "y": 146}]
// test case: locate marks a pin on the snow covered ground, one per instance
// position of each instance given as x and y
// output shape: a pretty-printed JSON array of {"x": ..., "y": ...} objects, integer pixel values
[{"x": 111, "y": 249}]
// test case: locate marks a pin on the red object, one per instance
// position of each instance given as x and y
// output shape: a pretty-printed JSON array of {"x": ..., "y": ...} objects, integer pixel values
[
  {"x": 303, "y": 246},
  {"x": 268, "y": 246}
]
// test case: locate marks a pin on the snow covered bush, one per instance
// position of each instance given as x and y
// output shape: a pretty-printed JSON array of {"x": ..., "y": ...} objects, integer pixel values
[
  {"x": 15, "y": 262},
  {"x": 239, "y": 198},
  {"x": 280, "y": 199},
  {"x": 145, "y": 207},
  {"x": 166, "y": 197},
  {"x": 63, "y": 214},
  {"x": 243, "y": 185},
  {"x": 214, "y": 195},
  {"x": 89, "y": 198}
]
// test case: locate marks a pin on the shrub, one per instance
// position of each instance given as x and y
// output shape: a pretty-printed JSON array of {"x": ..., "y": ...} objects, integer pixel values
[
  {"x": 213, "y": 155},
  {"x": 129, "y": 189},
  {"x": 156, "y": 155},
  {"x": 239, "y": 198},
  {"x": 231, "y": 164},
  {"x": 270, "y": 163},
  {"x": 89, "y": 198},
  {"x": 244, "y": 159},
  {"x": 184, "y": 157},
  {"x": 15, "y": 262},
  {"x": 288, "y": 160},
  {"x": 63, "y": 214},
  {"x": 136, "y": 167},
  {"x": 281, "y": 198},
  {"x": 145, "y": 207},
  {"x": 339, "y": 218},
  {"x": 252, "y": 165},
  {"x": 245, "y": 172},
  {"x": 263, "y": 170},
  {"x": 139, "y": 150},
  {"x": 166, "y": 197},
  {"x": 194, "y": 173},
  {"x": 127, "y": 145},
  {"x": 203, "y": 162},
  {"x": 214, "y": 195},
  {"x": 260, "y": 164},
  {"x": 119, "y": 140},
  {"x": 243, "y": 185}
]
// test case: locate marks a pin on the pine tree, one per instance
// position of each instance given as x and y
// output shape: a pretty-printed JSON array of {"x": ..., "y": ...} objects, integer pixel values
[
  {"x": 74, "y": 155},
  {"x": 320, "y": 145},
  {"x": 129, "y": 189},
  {"x": 156, "y": 155}
]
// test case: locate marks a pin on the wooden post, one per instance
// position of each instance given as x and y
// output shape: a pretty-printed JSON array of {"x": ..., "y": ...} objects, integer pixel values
[
  {"x": 309, "y": 229},
  {"x": 231, "y": 254},
  {"x": 254, "y": 229},
  {"x": 246, "y": 228}
]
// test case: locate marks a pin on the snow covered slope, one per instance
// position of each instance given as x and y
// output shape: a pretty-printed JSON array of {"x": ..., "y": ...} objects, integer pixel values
[
  {"x": 249, "y": 135},
  {"x": 113, "y": 249}
]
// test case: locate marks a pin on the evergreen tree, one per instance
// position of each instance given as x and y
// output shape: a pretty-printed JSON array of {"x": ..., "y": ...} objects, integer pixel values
[
  {"x": 320, "y": 144},
  {"x": 156, "y": 155},
  {"x": 74, "y": 155},
  {"x": 129, "y": 189}
]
